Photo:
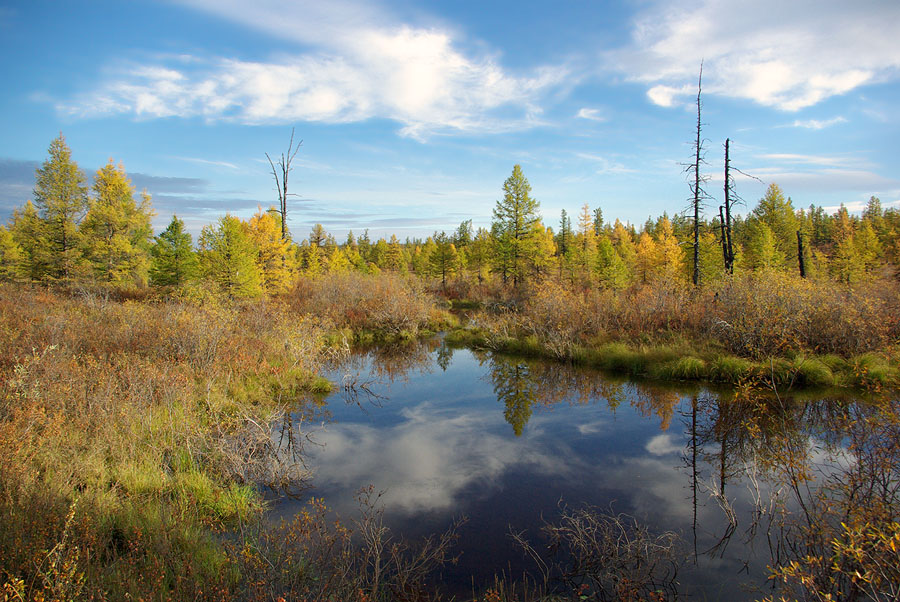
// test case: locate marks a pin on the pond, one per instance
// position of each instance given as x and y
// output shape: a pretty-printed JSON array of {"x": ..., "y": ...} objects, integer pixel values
[{"x": 510, "y": 443}]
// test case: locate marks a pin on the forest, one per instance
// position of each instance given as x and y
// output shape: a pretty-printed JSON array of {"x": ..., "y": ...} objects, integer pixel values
[{"x": 142, "y": 373}]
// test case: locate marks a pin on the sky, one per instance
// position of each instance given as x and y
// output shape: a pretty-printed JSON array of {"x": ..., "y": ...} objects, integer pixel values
[{"x": 412, "y": 114}]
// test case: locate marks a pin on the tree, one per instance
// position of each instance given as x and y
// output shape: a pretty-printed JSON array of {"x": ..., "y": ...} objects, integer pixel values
[
  {"x": 10, "y": 256},
  {"x": 60, "y": 196},
  {"x": 696, "y": 186},
  {"x": 173, "y": 261},
  {"x": 393, "y": 256},
  {"x": 228, "y": 257},
  {"x": 778, "y": 214},
  {"x": 273, "y": 253},
  {"x": 761, "y": 250},
  {"x": 27, "y": 229},
  {"x": 443, "y": 259},
  {"x": 611, "y": 270},
  {"x": 671, "y": 257},
  {"x": 585, "y": 242},
  {"x": 116, "y": 230},
  {"x": 463, "y": 235},
  {"x": 646, "y": 257},
  {"x": 281, "y": 179},
  {"x": 565, "y": 235},
  {"x": 317, "y": 235},
  {"x": 478, "y": 253},
  {"x": 514, "y": 217},
  {"x": 598, "y": 221}
]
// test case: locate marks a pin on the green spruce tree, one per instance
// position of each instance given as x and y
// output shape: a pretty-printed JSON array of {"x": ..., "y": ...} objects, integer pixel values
[{"x": 173, "y": 260}]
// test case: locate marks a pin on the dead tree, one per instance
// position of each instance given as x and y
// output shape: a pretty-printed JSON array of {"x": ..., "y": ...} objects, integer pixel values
[
  {"x": 281, "y": 180},
  {"x": 800, "y": 254},
  {"x": 698, "y": 180},
  {"x": 727, "y": 248}
]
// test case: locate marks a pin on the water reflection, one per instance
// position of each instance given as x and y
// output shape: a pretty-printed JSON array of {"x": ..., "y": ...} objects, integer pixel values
[{"x": 503, "y": 440}]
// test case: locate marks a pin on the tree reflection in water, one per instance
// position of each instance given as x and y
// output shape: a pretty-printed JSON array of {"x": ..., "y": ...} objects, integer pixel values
[{"x": 816, "y": 481}]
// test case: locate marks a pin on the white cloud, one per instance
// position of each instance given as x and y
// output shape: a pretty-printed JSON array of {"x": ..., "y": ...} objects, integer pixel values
[
  {"x": 427, "y": 461},
  {"x": 663, "y": 445},
  {"x": 209, "y": 162},
  {"x": 357, "y": 68},
  {"x": 815, "y": 124},
  {"x": 788, "y": 55},
  {"x": 591, "y": 114},
  {"x": 604, "y": 165}
]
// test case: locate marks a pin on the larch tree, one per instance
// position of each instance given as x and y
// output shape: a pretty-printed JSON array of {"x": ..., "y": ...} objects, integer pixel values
[
  {"x": 10, "y": 256},
  {"x": 443, "y": 261},
  {"x": 27, "y": 229},
  {"x": 671, "y": 257},
  {"x": 61, "y": 199},
  {"x": 514, "y": 218},
  {"x": 646, "y": 257},
  {"x": 585, "y": 242},
  {"x": 274, "y": 257},
  {"x": 172, "y": 258},
  {"x": 778, "y": 214},
  {"x": 393, "y": 256},
  {"x": 228, "y": 257},
  {"x": 611, "y": 270},
  {"x": 116, "y": 230}
]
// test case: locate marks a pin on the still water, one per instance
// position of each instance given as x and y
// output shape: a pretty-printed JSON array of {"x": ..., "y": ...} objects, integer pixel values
[{"x": 507, "y": 443}]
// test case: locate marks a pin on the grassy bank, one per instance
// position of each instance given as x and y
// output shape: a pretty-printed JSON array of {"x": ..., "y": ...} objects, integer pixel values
[
  {"x": 769, "y": 328},
  {"x": 136, "y": 437}
]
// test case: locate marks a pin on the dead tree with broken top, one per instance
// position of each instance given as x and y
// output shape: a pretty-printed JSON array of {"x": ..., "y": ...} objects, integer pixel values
[{"x": 280, "y": 172}]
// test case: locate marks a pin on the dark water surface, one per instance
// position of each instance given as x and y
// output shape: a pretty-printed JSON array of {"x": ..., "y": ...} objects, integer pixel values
[{"x": 507, "y": 442}]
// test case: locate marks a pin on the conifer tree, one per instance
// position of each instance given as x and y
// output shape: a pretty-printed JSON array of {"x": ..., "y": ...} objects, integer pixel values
[
  {"x": 646, "y": 257},
  {"x": 761, "y": 249},
  {"x": 228, "y": 258},
  {"x": 671, "y": 256},
  {"x": 173, "y": 260},
  {"x": 338, "y": 263},
  {"x": 514, "y": 217},
  {"x": 60, "y": 197},
  {"x": 27, "y": 229},
  {"x": 443, "y": 261},
  {"x": 393, "y": 255},
  {"x": 10, "y": 256},
  {"x": 611, "y": 270},
  {"x": 116, "y": 231},
  {"x": 274, "y": 258},
  {"x": 778, "y": 214}
]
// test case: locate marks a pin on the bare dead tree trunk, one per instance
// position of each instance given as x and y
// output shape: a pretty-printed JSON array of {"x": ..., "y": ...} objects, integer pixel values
[
  {"x": 697, "y": 192},
  {"x": 726, "y": 225},
  {"x": 723, "y": 238},
  {"x": 800, "y": 254},
  {"x": 281, "y": 180}
]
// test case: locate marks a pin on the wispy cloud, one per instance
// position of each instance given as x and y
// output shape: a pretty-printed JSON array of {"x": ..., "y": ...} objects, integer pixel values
[
  {"x": 788, "y": 55},
  {"x": 591, "y": 114},
  {"x": 604, "y": 165},
  {"x": 209, "y": 162},
  {"x": 815, "y": 124},
  {"x": 354, "y": 69}
]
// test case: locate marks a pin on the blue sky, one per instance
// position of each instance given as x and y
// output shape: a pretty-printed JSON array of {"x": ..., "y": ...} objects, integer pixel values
[{"x": 412, "y": 114}]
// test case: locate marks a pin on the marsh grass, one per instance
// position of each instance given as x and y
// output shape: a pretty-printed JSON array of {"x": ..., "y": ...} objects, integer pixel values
[
  {"x": 156, "y": 417},
  {"x": 772, "y": 328}
]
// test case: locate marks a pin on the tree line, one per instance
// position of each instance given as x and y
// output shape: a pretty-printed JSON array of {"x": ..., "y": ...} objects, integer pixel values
[{"x": 69, "y": 232}]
